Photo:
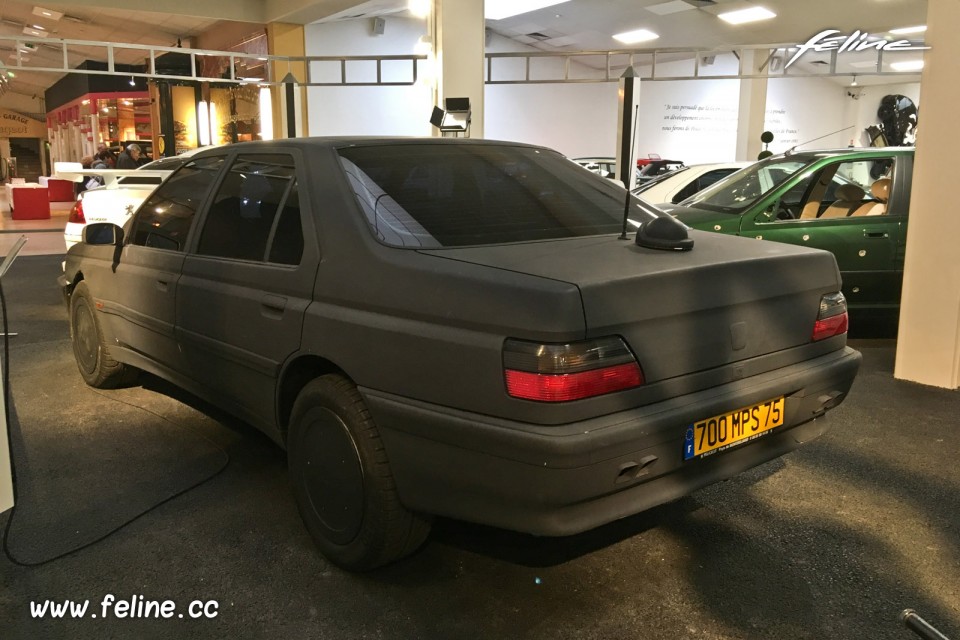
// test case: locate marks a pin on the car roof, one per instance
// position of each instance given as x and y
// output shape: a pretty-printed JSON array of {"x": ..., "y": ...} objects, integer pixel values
[
  {"x": 816, "y": 154},
  {"x": 338, "y": 142}
]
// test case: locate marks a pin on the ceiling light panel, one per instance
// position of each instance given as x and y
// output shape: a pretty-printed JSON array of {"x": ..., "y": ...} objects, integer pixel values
[
  {"x": 907, "y": 65},
  {"x": 50, "y": 14},
  {"x": 666, "y": 8},
  {"x": 743, "y": 16},
  {"x": 904, "y": 31},
  {"x": 638, "y": 35},
  {"x": 36, "y": 33},
  {"x": 500, "y": 9}
]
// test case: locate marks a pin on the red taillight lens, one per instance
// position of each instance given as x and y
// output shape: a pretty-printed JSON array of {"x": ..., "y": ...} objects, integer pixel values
[
  {"x": 76, "y": 212},
  {"x": 832, "y": 319},
  {"x": 564, "y": 372}
]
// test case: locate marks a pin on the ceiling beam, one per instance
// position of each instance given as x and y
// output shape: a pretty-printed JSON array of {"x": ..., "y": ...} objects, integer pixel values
[
  {"x": 307, "y": 11},
  {"x": 238, "y": 10}
]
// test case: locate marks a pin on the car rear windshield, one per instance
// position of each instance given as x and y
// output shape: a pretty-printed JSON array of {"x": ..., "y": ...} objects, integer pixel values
[
  {"x": 453, "y": 195},
  {"x": 740, "y": 190},
  {"x": 652, "y": 182}
]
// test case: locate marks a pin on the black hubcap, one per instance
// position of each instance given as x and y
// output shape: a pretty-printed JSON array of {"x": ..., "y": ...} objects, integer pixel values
[
  {"x": 85, "y": 338},
  {"x": 331, "y": 475}
]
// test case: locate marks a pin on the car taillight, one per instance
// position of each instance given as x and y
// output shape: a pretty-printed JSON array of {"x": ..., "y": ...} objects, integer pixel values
[
  {"x": 832, "y": 319},
  {"x": 563, "y": 372},
  {"x": 76, "y": 213}
]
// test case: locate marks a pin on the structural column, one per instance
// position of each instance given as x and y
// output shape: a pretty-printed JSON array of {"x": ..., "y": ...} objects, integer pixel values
[
  {"x": 458, "y": 31},
  {"x": 287, "y": 40},
  {"x": 753, "y": 105},
  {"x": 928, "y": 348}
]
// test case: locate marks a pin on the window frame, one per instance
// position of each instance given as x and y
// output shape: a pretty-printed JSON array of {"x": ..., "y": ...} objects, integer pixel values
[
  {"x": 296, "y": 178},
  {"x": 200, "y": 211}
]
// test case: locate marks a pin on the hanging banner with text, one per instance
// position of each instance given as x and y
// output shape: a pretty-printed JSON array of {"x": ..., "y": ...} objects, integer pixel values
[{"x": 15, "y": 125}]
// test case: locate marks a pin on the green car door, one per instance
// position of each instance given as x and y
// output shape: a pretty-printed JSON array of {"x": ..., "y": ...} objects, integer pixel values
[{"x": 853, "y": 207}]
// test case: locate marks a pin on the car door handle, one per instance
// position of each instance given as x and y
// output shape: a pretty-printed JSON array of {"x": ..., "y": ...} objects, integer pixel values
[
  {"x": 875, "y": 234},
  {"x": 273, "y": 306},
  {"x": 163, "y": 285}
]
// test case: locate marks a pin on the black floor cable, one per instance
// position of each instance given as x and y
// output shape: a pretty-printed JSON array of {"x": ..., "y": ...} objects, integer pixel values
[{"x": 13, "y": 470}]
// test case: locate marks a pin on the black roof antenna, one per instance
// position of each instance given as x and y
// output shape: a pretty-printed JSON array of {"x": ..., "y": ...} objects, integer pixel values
[
  {"x": 800, "y": 144},
  {"x": 626, "y": 202}
]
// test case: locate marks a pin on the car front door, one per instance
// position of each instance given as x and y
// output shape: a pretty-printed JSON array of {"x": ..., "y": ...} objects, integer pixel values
[
  {"x": 843, "y": 208},
  {"x": 246, "y": 283},
  {"x": 140, "y": 303}
]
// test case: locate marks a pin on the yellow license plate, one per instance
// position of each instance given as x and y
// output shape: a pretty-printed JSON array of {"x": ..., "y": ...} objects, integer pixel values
[{"x": 730, "y": 429}]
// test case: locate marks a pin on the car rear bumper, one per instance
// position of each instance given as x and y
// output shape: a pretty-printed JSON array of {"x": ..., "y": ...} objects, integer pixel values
[{"x": 562, "y": 480}]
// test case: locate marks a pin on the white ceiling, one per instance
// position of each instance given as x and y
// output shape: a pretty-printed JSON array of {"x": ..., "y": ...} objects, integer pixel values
[
  {"x": 575, "y": 25},
  {"x": 590, "y": 24}
]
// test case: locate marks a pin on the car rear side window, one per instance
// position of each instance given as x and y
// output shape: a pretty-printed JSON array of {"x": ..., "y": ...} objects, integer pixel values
[
  {"x": 163, "y": 221},
  {"x": 439, "y": 195},
  {"x": 256, "y": 206}
]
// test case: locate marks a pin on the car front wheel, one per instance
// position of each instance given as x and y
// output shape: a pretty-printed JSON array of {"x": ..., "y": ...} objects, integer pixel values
[
  {"x": 342, "y": 481},
  {"x": 91, "y": 351}
]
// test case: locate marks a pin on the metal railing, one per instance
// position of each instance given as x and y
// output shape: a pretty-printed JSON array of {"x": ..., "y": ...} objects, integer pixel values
[{"x": 63, "y": 56}]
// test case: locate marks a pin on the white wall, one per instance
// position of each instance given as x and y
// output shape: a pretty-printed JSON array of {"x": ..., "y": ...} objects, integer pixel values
[
  {"x": 689, "y": 120},
  {"x": 395, "y": 111},
  {"x": 802, "y": 109},
  {"x": 862, "y": 110}
]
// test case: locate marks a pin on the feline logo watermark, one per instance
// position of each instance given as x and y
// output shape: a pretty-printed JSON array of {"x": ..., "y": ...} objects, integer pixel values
[{"x": 856, "y": 41}]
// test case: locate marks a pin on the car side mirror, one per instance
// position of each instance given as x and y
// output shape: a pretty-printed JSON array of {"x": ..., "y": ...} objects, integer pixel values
[{"x": 103, "y": 233}]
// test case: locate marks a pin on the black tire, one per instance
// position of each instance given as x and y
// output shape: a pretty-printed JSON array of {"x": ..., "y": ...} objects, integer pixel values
[
  {"x": 90, "y": 350},
  {"x": 342, "y": 481}
]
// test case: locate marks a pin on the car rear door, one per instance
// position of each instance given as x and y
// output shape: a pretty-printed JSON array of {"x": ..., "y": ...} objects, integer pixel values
[
  {"x": 140, "y": 301},
  {"x": 246, "y": 283},
  {"x": 864, "y": 233}
]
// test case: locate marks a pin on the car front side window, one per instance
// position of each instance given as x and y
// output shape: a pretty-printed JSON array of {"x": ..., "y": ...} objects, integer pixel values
[
  {"x": 848, "y": 189},
  {"x": 255, "y": 207},
  {"x": 163, "y": 221}
]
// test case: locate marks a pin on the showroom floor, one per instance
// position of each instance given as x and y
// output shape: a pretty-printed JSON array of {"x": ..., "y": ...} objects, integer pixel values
[
  {"x": 832, "y": 541},
  {"x": 43, "y": 236}
]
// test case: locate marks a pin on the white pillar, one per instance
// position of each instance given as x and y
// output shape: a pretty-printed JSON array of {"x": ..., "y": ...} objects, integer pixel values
[
  {"x": 753, "y": 105},
  {"x": 459, "y": 47},
  {"x": 928, "y": 348}
]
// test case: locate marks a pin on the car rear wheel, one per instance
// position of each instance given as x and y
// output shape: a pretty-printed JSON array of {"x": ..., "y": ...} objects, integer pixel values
[
  {"x": 342, "y": 481},
  {"x": 91, "y": 351}
]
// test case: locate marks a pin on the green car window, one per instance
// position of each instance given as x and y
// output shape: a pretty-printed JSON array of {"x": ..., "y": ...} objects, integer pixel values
[{"x": 738, "y": 192}]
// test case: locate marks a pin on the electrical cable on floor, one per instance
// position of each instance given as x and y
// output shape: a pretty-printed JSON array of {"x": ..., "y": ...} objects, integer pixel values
[{"x": 13, "y": 470}]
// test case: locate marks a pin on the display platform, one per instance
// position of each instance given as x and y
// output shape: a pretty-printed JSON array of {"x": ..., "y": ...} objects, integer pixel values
[{"x": 28, "y": 201}]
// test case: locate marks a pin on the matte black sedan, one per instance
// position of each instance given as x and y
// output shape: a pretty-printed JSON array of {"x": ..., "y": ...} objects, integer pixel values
[{"x": 455, "y": 327}]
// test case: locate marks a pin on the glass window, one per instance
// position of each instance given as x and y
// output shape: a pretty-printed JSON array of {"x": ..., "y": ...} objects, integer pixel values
[
  {"x": 241, "y": 219},
  {"x": 742, "y": 190},
  {"x": 839, "y": 190},
  {"x": 163, "y": 221},
  {"x": 287, "y": 244},
  {"x": 446, "y": 195}
]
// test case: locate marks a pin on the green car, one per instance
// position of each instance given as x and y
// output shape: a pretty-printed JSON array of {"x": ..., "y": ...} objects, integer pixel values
[{"x": 851, "y": 202}]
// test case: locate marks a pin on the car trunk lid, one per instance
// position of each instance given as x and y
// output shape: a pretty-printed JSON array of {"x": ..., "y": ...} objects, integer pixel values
[{"x": 729, "y": 299}]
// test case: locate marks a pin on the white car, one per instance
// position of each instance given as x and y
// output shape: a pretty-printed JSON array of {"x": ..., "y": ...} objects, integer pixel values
[
  {"x": 122, "y": 192},
  {"x": 684, "y": 182}
]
